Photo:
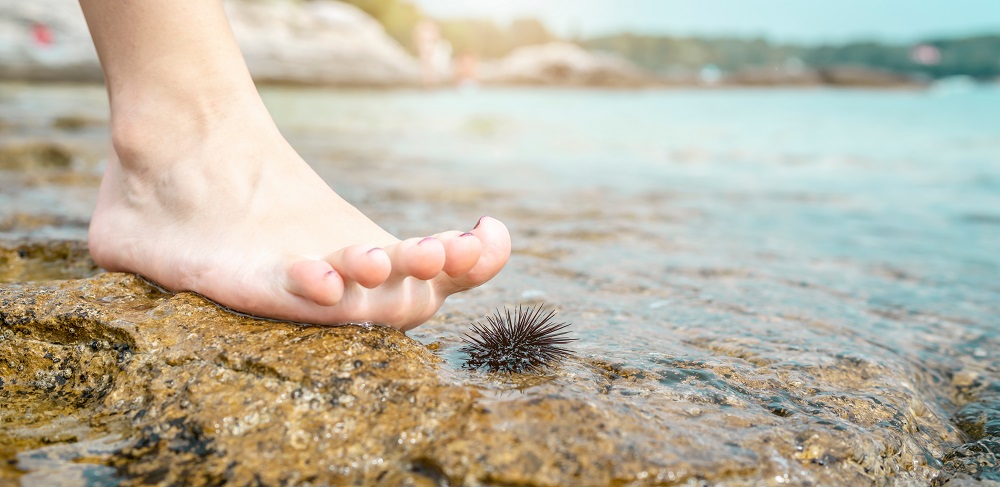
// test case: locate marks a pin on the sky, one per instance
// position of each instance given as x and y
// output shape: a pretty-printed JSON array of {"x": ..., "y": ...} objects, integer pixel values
[{"x": 805, "y": 21}]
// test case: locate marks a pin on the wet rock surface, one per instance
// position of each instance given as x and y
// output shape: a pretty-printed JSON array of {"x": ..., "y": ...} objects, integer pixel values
[{"x": 159, "y": 389}]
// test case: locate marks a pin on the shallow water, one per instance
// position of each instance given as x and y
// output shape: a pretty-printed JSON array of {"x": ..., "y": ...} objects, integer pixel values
[{"x": 736, "y": 264}]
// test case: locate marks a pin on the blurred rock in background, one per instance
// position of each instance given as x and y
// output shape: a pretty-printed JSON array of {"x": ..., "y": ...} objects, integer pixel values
[
  {"x": 563, "y": 63},
  {"x": 319, "y": 42}
]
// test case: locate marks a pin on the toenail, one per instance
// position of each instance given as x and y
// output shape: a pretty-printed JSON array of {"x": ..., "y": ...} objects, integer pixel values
[
  {"x": 427, "y": 239},
  {"x": 480, "y": 222},
  {"x": 466, "y": 234},
  {"x": 373, "y": 249},
  {"x": 330, "y": 273}
]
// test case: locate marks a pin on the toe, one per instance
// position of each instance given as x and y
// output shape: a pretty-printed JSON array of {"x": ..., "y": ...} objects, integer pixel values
[
  {"x": 421, "y": 258},
  {"x": 495, "y": 241},
  {"x": 366, "y": 265},
  {"x": 316, "y": 281},
  {"x": 462, "y": 251}
]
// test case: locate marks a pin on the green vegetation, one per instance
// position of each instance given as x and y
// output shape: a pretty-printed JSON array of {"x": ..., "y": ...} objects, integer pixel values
[
  {"x": 483, "y": 38},
  {"x": 486, "y": 39},
  {"x": 399, "y": 17},
  {"x": 977, "y": 56},
  {"x": 971, "y": 56},
  {"x": 665, "y": 54}
]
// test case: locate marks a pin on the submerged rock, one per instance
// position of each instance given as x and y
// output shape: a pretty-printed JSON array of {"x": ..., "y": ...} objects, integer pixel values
[
  {"x": 978, "y": 459},
  {"x": 30, "y": 156}
]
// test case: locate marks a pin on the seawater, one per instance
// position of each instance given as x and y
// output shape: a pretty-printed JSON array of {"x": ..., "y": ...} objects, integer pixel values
[{"x": 890, "y": 199}]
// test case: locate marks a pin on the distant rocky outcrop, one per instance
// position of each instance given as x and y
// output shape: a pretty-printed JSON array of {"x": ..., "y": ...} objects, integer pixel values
[
  {"x": 319, "y": 42},
  {"x": 843, "y": 76},
  {"x": 562, "y": 64},
  {"x": 773, "y": 77},
  {"x": 865, "y": 77}
]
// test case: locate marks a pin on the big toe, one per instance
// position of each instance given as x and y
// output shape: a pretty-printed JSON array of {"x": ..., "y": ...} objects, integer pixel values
[
  {"x": 462, "y": 252},
  {"x": 495, "y": 240}
]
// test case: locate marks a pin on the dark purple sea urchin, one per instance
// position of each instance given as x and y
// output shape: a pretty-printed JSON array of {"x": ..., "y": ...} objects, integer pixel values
[{"x": 525, "y": 341}]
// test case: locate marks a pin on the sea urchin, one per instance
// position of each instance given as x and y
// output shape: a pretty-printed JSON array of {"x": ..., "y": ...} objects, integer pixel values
[{"x": 524, "y": 341}]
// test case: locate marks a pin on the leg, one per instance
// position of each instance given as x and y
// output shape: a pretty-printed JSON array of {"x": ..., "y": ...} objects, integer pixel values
[{"x": 202, "y": 193}]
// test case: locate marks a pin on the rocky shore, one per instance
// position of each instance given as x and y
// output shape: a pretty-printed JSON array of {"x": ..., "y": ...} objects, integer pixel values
[
  {"x": 564, "y": 64},
  {"x": 313, "y": 43},
  {"x": 329, "y": 43},
  {"x": 703, "y": 358},
  {"x": 110, "y": 379}
]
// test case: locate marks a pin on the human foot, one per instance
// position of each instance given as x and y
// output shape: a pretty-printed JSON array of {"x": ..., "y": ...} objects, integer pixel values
[{"x": 224, "y": 207}]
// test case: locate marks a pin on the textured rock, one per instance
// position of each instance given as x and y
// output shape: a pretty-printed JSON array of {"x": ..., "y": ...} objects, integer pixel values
[
  {"x": 107, "y": 377},
  {"x": 562, "y": 64},
  {"x": 319, "y": 42},
  {"x": 213, "y": 397},
  {"x": 978, "y": 459}
]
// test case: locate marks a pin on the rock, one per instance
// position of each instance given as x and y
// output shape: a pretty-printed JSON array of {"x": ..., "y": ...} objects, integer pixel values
[
  {"x": 865, "y": 77},
  {"x": 773, "y": 77},
  {"x": 980, "y": 420},
  {"x": 847, "y": 76},
  {"x": 105, "y": 370},
  {"x": 36, "y": 261},
  {"x": 69, "y": 57},
  {"x": 213, "y": 397},
  {"x": 562, "y": 64},
  {"x": 318, "y": 42},
  {"x": 33, "y": 156},
  {"x": 75, "y": 123}
]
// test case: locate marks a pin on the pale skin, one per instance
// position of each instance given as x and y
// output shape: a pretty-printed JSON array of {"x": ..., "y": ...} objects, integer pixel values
[{"x": 202, "y": 192}]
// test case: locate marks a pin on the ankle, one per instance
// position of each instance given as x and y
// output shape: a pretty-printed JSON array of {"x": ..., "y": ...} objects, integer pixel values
[{"x": 157, "y": 122}]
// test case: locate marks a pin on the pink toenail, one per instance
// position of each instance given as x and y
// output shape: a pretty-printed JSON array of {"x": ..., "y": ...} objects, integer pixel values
[
  {"x": 480, "y": 222},
  {"x": 426, "y": 239},
  {"x": 466, "y": 234},
  {"x": 330, "y": 273},
  {"x": 373, "y": 249}
]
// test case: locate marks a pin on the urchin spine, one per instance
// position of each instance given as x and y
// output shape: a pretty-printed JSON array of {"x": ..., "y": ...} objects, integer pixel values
[{"x": 526, "y": 340}]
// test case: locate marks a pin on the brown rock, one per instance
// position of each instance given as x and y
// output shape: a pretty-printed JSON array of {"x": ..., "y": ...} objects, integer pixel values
[
  {"x": 865, "y": 77},
  {"x": 166, "y": 389},
  {"x": 34, "y": 155}
]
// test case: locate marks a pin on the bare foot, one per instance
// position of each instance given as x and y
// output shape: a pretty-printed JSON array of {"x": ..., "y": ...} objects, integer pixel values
[{"x": 218, "y": 203}]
